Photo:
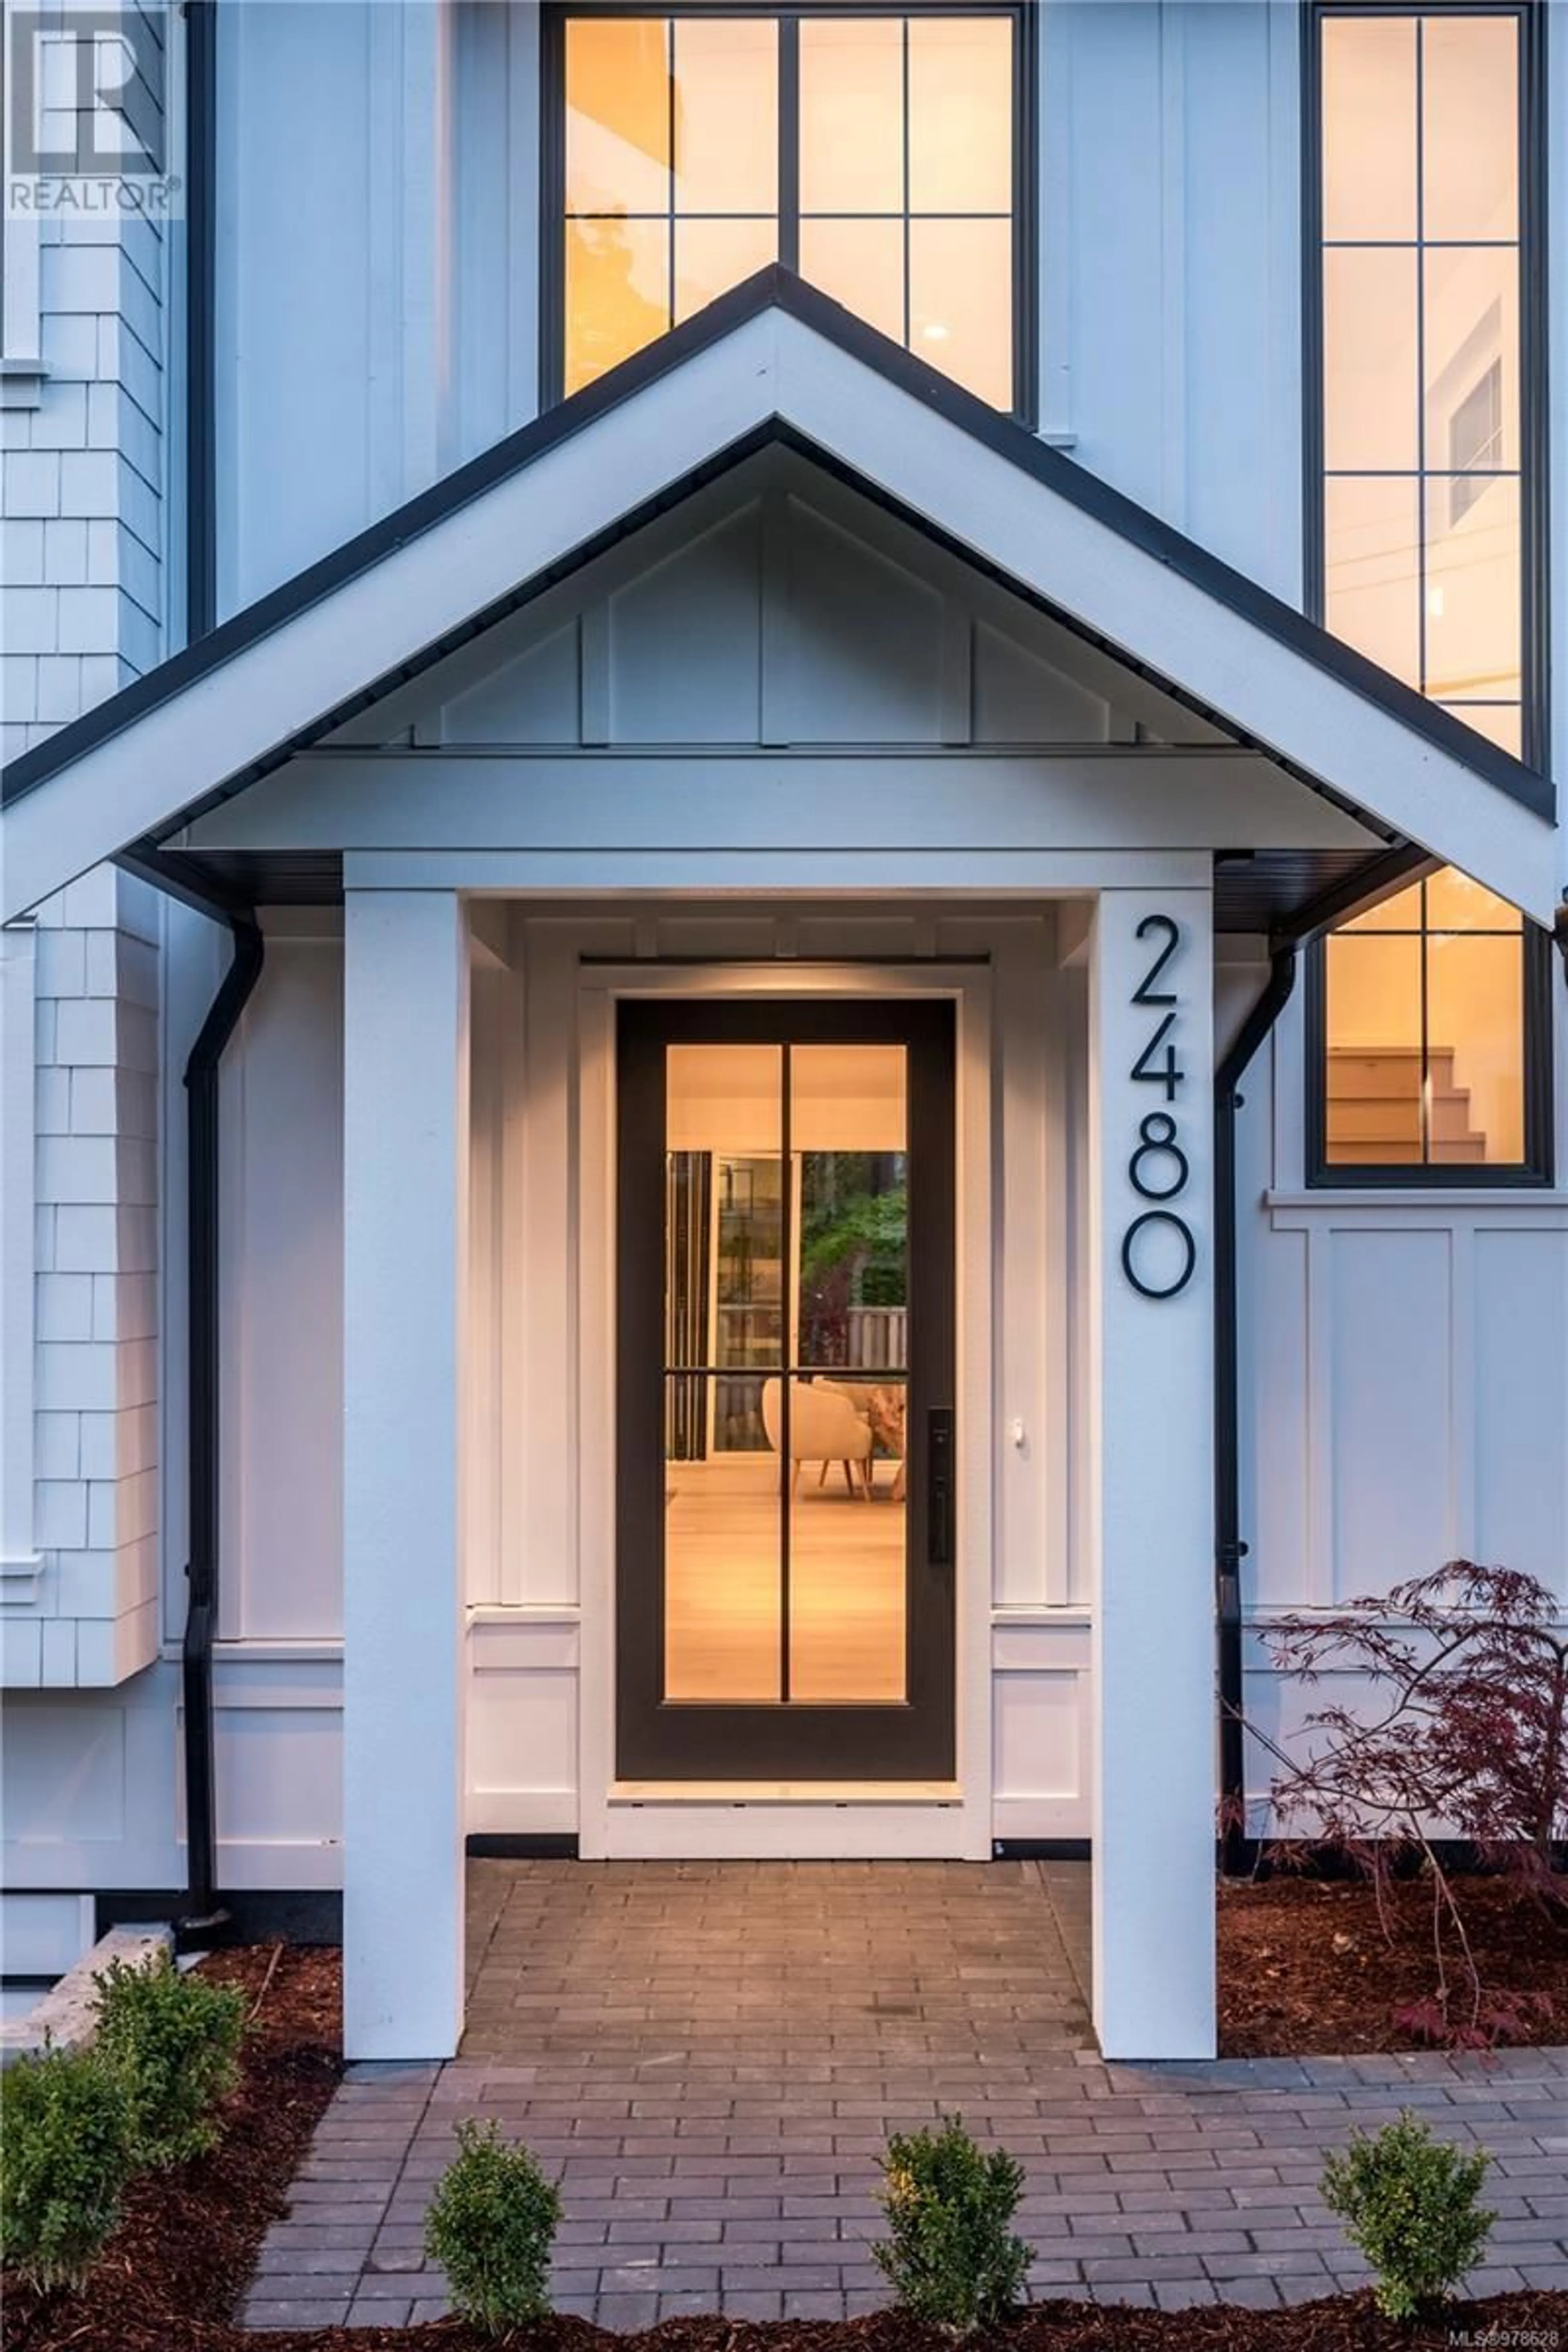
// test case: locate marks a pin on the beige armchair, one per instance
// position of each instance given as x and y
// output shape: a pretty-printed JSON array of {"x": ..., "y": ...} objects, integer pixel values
[
  {"x": 858, "y": 1393},
  {"x": 823, "y": 1426}
]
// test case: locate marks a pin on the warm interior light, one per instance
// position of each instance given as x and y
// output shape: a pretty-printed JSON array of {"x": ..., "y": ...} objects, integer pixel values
[{"x": 935, "y": 333}]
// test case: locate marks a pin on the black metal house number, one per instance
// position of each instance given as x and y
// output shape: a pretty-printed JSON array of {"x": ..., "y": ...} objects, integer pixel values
[{"x": 1158, "y": 1169}]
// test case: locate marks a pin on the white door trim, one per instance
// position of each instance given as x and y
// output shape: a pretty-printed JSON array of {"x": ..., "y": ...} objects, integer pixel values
[{"x": 831, "y": 1823}]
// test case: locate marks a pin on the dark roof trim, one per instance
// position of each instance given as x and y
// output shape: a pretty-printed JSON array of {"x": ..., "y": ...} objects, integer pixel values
[
  {"x": 193, "y": 885},
  {"x": 1376, "y": 880},
  {"x": 779, "y": 288}
]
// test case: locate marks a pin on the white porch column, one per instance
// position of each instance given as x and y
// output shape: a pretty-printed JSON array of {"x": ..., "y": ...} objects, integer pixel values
[
  {"x": 1152, "y": 1379},
  {"x": 405, "y": 1128}
]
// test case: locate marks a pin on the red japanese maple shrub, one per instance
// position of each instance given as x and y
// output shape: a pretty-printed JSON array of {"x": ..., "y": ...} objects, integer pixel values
[{"x": 1464, "y": 1736}]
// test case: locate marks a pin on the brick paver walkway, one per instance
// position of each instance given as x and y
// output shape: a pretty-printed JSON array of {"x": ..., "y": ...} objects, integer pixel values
[{"x": 711, "y": 2057}]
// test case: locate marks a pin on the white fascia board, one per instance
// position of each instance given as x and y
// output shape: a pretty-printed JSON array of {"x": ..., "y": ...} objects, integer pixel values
[
  {"x": 816, "y": 874},
  {"x": 135, "y": 781},
  {"x": 1228, "y": 663},
  {"x": 851, "y": 802}
]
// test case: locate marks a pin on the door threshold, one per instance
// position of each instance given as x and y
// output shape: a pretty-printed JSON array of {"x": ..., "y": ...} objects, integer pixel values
[{"x": 786, "y": 1793}]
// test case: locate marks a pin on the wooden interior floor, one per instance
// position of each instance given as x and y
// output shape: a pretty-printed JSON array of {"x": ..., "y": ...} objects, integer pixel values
[{"x": 721, "y": 1585}]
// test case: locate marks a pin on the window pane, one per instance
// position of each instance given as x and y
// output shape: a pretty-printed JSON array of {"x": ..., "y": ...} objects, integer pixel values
[
  {"x": 1471, "y": 358},
  {"x": 1371, "y": 570},
  {"x": 1372, "y": 987},
  {"x": 1475, "y": 1022},
  {"x": 1501, "y": 723},
  {"x": 848, "y": 1123},
  {"x": 1473, "y": 590},
  {"x": 1455, "y": 903},
  {"x": 848, "y": 1640},
  {"x": 712, "y": 254},
  {"x": 851, "y": 114},
  {"x": 961, "y": 302},
  {"x": 726, "y": 114},
  {"x": 861, "y": 263},
  {"x": 1469, "y": 74},
  {"x": 724, "y": 1222},
  {"x": 1401, "y": 912},
  {"x": 723, "y": 1578},
  {"x": 1368, "y": 127},
  {"x": 961, "y": 114},
  {"x": 617, "y": 114},
  {"x": 1370, "y": 385},
  {"x": 617, "y": 298}
]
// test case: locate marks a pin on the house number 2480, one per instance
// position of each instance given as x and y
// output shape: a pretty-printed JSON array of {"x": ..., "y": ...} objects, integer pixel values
[{"x": 1158, "y": 1251}]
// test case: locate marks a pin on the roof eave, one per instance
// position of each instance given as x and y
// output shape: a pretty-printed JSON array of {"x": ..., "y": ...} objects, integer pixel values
[{"x": 775, "y": 356}]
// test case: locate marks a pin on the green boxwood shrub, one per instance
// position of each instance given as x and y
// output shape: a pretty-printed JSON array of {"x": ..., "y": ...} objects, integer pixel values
[
  {"x": 951, "y": 2256},
  {"x": 65, "y": 2157},
  {"x": 174, "y": 2040},
  {"x": 491, "y": 2225},
  {"x": 1410, "y": 2203}
]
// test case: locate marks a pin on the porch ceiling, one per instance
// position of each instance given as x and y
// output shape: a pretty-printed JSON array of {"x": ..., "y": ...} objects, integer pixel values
[{"x": 774, "y": 361}]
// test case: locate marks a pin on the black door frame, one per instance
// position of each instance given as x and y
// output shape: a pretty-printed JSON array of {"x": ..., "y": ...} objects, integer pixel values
[{"x": 658, "y": 1739}]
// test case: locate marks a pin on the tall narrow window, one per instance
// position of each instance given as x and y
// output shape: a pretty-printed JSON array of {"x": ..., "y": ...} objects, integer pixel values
[
  {"x": 1424, "y": 553},
  {"x": 876, "y": 152}
]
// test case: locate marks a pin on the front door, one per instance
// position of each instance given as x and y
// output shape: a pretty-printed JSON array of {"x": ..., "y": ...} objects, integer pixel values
[{"x": 786, "y": 1520}]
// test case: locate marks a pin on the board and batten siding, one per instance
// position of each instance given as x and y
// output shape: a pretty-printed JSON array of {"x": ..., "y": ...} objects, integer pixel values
[{"x": 1404, "y": 1381}]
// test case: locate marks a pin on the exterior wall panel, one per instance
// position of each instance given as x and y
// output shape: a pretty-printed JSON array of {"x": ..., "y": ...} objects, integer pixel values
[
  {"x": 1404, "y": 1386},
  {"x": 281, "y": 1287}
]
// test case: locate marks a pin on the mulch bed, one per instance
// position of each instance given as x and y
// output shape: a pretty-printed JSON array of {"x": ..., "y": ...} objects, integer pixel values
[
  {"x": 1533, "y": 2323},
  {"x": 188, "y": 2237},
  {"x": 175, "y": 2268},
  {"x": 1306, "y": 1969}
]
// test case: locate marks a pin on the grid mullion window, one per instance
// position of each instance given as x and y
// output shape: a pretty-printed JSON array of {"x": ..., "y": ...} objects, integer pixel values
[
  {"x": 1428, "y": 1020},
  {"x": 873, "y": 151},
  {"x": 1420, "y": 269},
  {"x": 906, "y": 184},
  {"x": 671, "y": 174},
  {"x": 1424, "y": 1006}
]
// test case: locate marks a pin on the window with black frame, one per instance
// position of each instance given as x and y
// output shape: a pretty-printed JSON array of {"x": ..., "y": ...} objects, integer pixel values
[
  {"x": 1428, "y": 1015},
  {"x": 876, "y": 152}
]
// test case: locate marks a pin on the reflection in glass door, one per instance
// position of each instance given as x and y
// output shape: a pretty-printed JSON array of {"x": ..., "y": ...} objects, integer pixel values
[{"x": 785, "y": 1390}]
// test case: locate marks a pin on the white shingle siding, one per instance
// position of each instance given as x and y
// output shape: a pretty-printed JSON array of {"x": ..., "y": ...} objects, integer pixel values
[{"x": 83, "y": 478}]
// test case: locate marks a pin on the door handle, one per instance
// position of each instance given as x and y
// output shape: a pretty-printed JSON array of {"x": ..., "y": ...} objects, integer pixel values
[{"x": 939, "y": 1487}]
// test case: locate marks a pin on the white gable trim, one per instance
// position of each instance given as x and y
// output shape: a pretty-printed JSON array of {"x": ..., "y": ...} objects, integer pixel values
[{"x": 774, "y": 365}]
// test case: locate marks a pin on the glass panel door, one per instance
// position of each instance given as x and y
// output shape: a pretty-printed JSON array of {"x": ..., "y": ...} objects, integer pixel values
[{"x": 784, "y": 1523}]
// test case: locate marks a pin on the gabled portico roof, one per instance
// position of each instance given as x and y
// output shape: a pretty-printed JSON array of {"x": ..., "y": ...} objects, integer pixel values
[{"x": 773, "y": 360}]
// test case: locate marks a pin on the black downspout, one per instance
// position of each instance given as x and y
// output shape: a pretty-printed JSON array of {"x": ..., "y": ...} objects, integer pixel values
[
  {"x": 1229, "y": 1550},
  {"x": 201, "y": 1909}
]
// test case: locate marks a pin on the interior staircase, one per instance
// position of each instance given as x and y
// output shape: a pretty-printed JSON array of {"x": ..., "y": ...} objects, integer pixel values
[{"x": 1375, "y": 1107}]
